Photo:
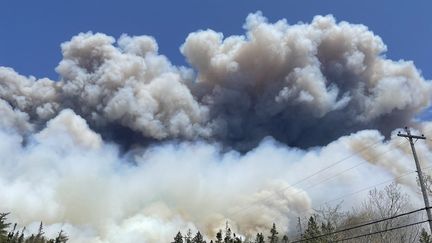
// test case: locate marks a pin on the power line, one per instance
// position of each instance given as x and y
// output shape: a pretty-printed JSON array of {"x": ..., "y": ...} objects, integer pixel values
[
  {"x": 364, "y": 189},
  {"x": 335, "y": 163},
  {"x": 313, "y": 174},
  {"x": 350, "y": 168},
  {"x": 382, "y": 231},
  {"x": 370, "y": 187},
  {"x": 367, "y": 188},
  {"x": 326, "y": 168},
  {"x": 361, "y": 225}
]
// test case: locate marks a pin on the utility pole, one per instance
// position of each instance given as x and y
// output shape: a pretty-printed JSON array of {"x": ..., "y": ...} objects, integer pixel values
[{"x": 419, "y": 171}]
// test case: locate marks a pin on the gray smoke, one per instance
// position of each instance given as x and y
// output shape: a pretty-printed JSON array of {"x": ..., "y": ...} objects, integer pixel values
[
  {"x": 291, "y": 82},
  {"x": 222, "y": 140},
  {"x": 294, "y": 82}
]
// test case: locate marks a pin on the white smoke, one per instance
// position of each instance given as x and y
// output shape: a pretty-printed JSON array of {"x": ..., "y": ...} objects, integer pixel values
[{"x": 278, "y": 87}]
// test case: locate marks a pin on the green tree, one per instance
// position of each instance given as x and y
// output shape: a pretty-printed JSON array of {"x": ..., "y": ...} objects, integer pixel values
[
  {"x": 3, "y": 227},
  {"x": 61, "y": 237},
  {"x": 425, "y": 237},
  {"x": 285, "y": 239},
  {"x": 312, "y": 231},
  {"x": 327, "y": 228},
  {"x": 219, "y": 237},
  {"x": 198, "y": 238},
  {"x": 259, "y": 238},
  {"x": 178, "y": 238},
  {"x": 273, "y": 238},
  {"x": 188, "y": 237},
  {"x": 228, "y": 238}
]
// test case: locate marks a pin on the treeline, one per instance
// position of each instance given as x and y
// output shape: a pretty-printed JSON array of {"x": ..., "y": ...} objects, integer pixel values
[
  {"x": 10, "y": 234},
  {"x": 328, "y": 224},
  {"x": 331, "y": 224},
  {"x": 229, "y": 237}
]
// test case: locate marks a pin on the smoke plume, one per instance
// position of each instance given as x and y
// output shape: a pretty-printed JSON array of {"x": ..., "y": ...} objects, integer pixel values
[{"x": 127, "y": 147}]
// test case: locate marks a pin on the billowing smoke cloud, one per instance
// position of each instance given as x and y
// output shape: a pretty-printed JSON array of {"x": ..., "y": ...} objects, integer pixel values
[
  {"x": 212, "y": 143},
  {"x": 292, "y": 82}
]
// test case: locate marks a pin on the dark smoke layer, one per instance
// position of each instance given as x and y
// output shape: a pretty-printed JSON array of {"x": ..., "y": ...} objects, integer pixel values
[{"x": 291, "y": 82}]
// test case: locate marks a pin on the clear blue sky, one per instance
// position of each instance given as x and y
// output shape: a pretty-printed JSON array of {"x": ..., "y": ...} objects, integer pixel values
[{"x": 31, "y": 31}]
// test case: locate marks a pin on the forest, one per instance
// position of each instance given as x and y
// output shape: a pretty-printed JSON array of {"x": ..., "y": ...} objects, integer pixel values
[{"x": 386, "y": 216}]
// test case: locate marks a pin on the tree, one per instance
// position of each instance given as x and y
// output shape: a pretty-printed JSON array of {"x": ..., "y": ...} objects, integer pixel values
[
  {"x": 386, "y": 203},
  {"x": 327, "y": 229},
  {"x": 188, "y": 237},
  {"x": 219, "y": 237},
  {"x": 178, "y": 238},
  {"x": 227, "y": 238},
  {"x": 285, "y": 239},
  {"x": 312, "y": 231},
  {"x": 259, "y": 238},
  {"x": 61, "y": 238},
  {"x": 198, "y": 238},
  {"x": 39, "y": 238},
  {"x": 3, "y": 227},
  {"x": 425, "y": 237},
  {"x": 273, "y": 234}
]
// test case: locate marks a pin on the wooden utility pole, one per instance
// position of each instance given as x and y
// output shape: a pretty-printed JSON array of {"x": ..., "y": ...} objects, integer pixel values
[{"x": 419, "y": 171}]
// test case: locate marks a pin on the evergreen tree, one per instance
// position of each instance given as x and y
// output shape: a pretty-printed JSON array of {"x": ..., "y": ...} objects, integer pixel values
[
  {"x": 188, "y": 237},
  {"x": 425, "y": 237},
  {"x": 61, "y": 238},
  {"x": 178, "y": 238},
  {"x": 198, "y": 238},
  {"x": 273, "y": 238},
  {"x": 327, "y": 229},
  {"x": 285, "y": 239},
  {"x": 259, "y": 238},
  {"x": 228, "y": 237},
  {"x": 3, "y": 227},
  {"x": 219, "y": 237},
  {"x": 312, "y": 231},
  {"x": 236, "y": 239}
]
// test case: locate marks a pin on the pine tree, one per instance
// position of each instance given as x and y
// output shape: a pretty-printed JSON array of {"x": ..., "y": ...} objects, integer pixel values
[
  {"x": 273, "y": 234},
  {"x": 228, "y": 238},
  {"x": 311, "y": 231},
  {"x": 3, "y": 227},
  {"x": 425, "y": 237},
  {"x": 259, "y": 238},
  {"x": 285, "y": 239},
  {"x": 61, "y": 237},
  {"x": 219, "y": 237},
  {"x": 327, "y": 229},
  {"x": 188, "y": 237},
  {"x": 178, "y": 238},
  {"x": 39, "y": 238},
  {"x": 198, "y": 238}
]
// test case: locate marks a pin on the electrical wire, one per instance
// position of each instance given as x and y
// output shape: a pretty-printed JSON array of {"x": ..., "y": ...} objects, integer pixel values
[
  {"x": 382, "y": 231},
  {"x": 312, "y": 175},
  {"x": 371, "y": 187},
  {"x": 361, "y": 225},
  {"x": 324, "y": 169}
]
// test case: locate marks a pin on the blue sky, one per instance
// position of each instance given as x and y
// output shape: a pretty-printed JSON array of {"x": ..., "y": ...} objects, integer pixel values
[{"x": 31, "y": 31}]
